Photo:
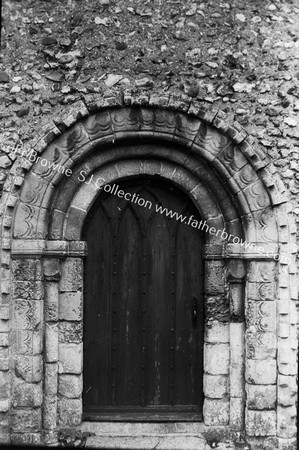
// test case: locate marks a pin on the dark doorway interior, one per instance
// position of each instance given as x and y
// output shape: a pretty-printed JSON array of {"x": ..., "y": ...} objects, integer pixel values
[{"x": 143, "y": 306}]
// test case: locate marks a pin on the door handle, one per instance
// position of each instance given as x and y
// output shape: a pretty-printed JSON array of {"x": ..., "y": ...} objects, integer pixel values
[{"x": 194, "y": 312}]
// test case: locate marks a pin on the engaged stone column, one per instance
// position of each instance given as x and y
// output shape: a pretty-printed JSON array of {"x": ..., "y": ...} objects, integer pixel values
[
  {"x": 216, "y": 346},
  {"x": 52, "y": 271},
  {"x": 27, "y": 347},
  {"x": 70, "y": 343},
  {"x": 261, "y": 351},
  {"x": 236, "y": 277}
]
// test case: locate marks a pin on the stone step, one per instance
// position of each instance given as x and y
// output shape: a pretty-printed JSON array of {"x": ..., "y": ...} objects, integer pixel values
[
  {"x": 145, "y": 436},
  {"x": 143, "y": 428},
  {"x": 173, "y": 442}
]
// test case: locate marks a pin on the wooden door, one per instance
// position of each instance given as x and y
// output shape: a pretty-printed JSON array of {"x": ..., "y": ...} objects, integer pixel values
[{"x": 143, "y": 307}]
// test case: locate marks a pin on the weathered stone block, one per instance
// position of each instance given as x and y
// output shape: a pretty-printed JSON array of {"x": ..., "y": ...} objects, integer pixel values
[
  {"x": 70, "y": 386},
  {"x": 236, "y": 417},
  {"x": 51, "y": 301},
  {"x": 29, "y": 368},
  {"x": 217, "y": 308},
  {"x": 237, "y": 379},
  {"x": 51, "y": 378},
  {"x": 25, "y": 342},
  {"x": 261, "y": 271},
  {"x": 4, "y": 384},
  {"x": 215, "y": 278},
  {"x": 4, "y": 312},
  {"x": 26, "y": 420},
  {"x": 4, "y": 358},
  {"x": 287, "y": 390},
  {"x": 26, "y": 395},
  {"x": 217, "y": 332},
  {"x": 71, "y": 275},
  {"x": 70, "y": 332},
  {"x": 28, "y": 314},
  {"x": 4, "y": 339},
  {"x": 216, "y": 359},
  {"x": 236, "y": 269},
  {"x": 70, "y": 358},
  {"x": 262, "y": 291},
  {"x": 4, "y": 326},
  {"x": 69, "y": 412},
  {"x": 50, "y": 412},
  {"x": 32, "y": 290},
  {"x": 215, "y": 386},
  {"x": 286, "y": 444},
  {"x": 70, "y": 306},
  {"x": 236, "y": 331},
  {"x": 261, "y": 423},
  {"x": 263, "y": 443},
  {"x": 261, "y": 397},
  {"x": 4, "y": 435},
  {"x": 21, "y": 341},
  {"x": 4, "y": 405},
  {"x": 261, "y": 345},
  {"x": 236, "y": 302},
  {"x": 37, "y": 342},
  {"x": 261, "y": 372},
  {"x": 27, "y": 269},
  {"x": 287, "y": 358},
  {"x": 51, "y": 267},
  {"x": 50, "y": 438},
  {"x": 286, "y": 421},
  {"x": 23, "y": 439},
  {"x": 216, "y": 412},
  {"x": 51, "y": 342},
  {"x": 261, "y": 316}
]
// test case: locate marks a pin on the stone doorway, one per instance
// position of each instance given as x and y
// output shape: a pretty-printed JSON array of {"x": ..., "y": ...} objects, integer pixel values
[{"x": 250, "y": 296}]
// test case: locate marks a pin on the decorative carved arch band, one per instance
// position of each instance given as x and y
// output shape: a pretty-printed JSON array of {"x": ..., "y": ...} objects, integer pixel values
[{"x": 234, "y": 187}]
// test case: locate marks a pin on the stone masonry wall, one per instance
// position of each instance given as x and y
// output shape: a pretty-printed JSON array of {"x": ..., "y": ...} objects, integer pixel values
[{"x": 240, "y": 57}]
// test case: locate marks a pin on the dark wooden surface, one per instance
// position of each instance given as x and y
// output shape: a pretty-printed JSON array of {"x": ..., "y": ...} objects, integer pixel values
[{"x": 143, "y": 309}]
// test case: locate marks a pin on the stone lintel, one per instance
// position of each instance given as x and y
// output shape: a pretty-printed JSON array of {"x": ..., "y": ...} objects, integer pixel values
[
  {"x": 254, "y": 251},
  {"x": 41, "y": 248}
]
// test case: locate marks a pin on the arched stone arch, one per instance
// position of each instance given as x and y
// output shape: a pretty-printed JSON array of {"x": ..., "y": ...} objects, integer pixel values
[{"x": 233, "y": 185}]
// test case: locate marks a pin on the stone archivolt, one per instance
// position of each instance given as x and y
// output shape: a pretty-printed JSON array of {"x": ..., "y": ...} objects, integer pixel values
[{"x": 249, "y": 331}]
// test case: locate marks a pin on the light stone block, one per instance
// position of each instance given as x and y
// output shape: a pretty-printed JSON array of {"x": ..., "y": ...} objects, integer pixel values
[
  {"x": 261, "y": 423},
  {"x": 70, "y": 358},
  {"x": 51, "y": 301},
  {"x": 69, "y": 412},
  {"x": 215, "y": 386},
  {"x": 51, "y": 342},
  {"x": 70, "y": 386},
  {"x": 286, "y": 421},
  {"x": 70, "y": 306},
  {"x": 237, "y": 379},
  {"x": 216, "y": 412},
  {"x": 51, "y": 378},
  {"x": 261, "y": 397},
  {"x": 217, "y": 332},
  {"x": 71, "y": 275},
  {"x": 236, "y": 417},
  {"x": 261, "y": 372},
  {"x": 216, "y": 359}
]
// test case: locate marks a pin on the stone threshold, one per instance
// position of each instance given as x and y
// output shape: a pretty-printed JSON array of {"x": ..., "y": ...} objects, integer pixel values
[{"x": 145, "y": 436}]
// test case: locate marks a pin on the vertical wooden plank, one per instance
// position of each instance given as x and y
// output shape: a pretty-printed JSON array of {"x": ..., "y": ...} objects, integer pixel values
[
  {"x": 158, "y": 312},
  {"x": 127, "y": 308},
  {"x": 189, "y": 318},
  {"x": 98, "y": 235}
]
